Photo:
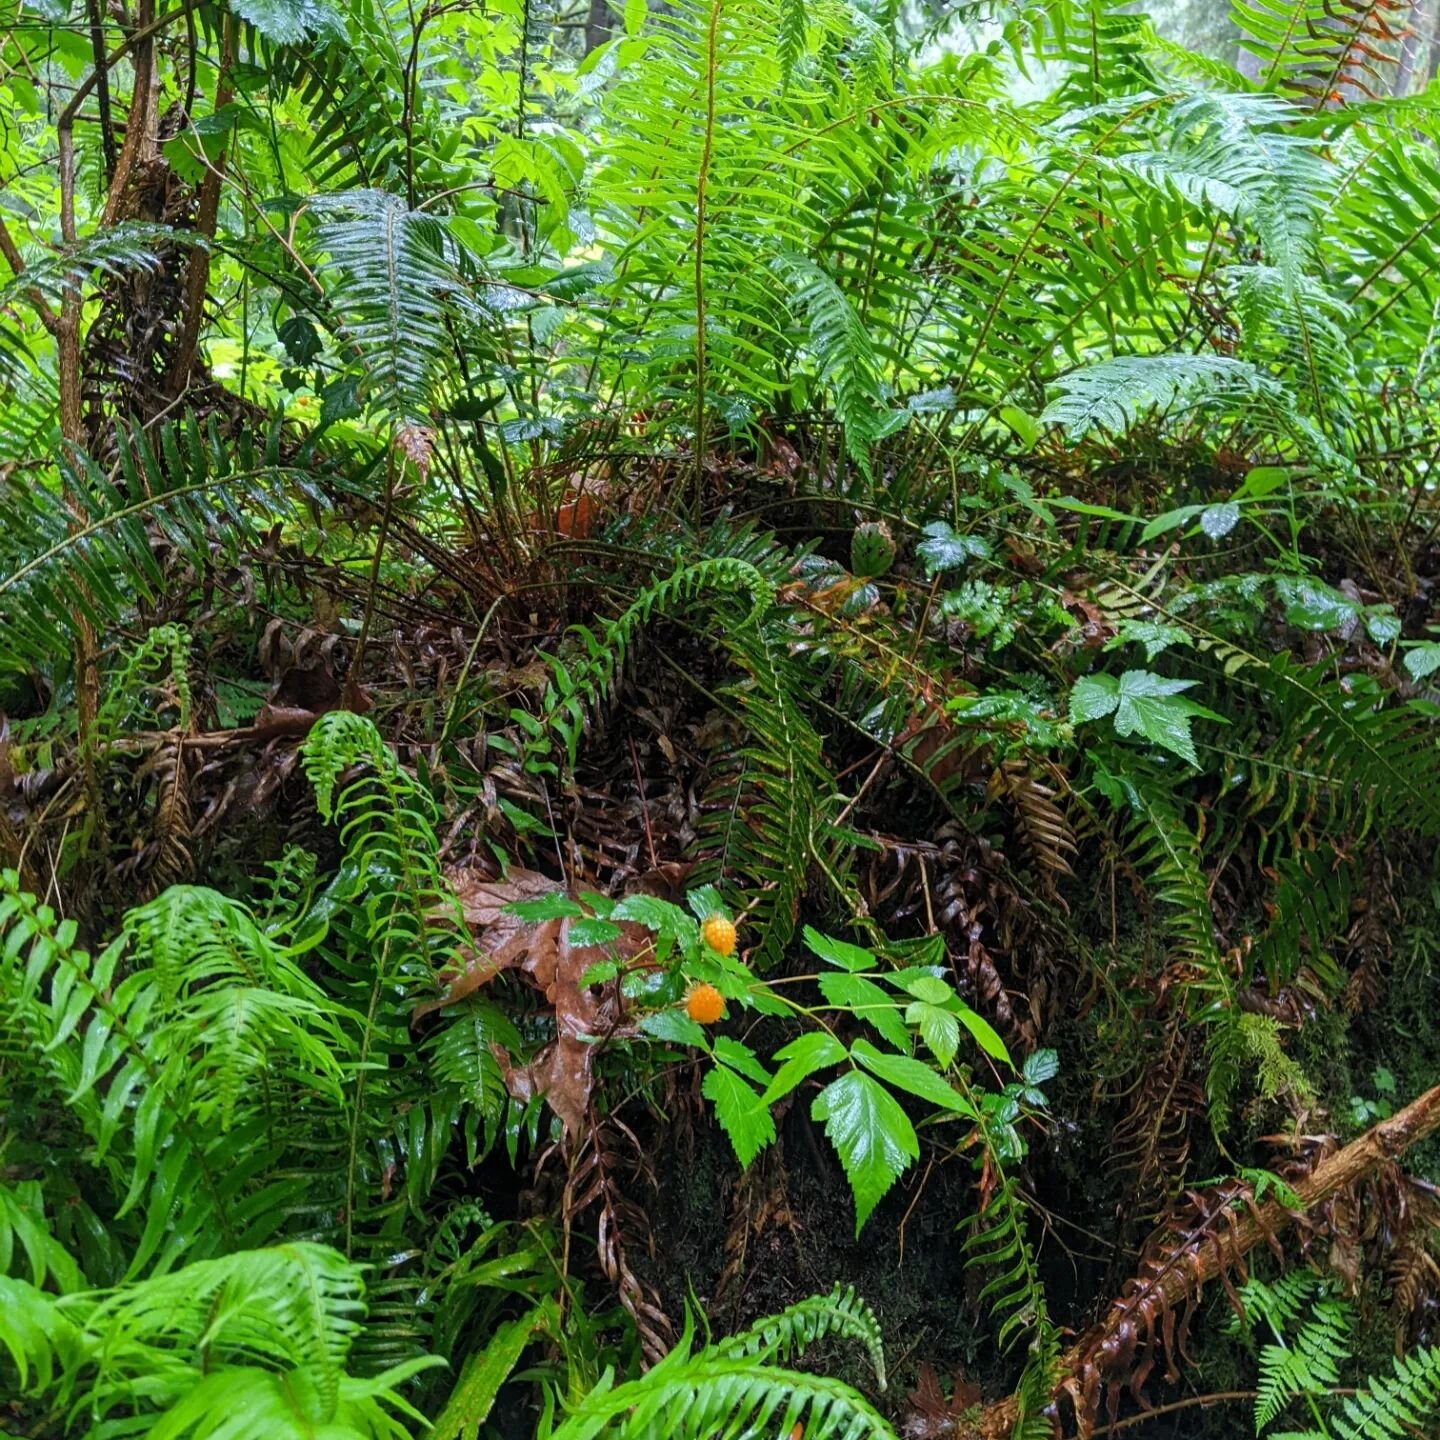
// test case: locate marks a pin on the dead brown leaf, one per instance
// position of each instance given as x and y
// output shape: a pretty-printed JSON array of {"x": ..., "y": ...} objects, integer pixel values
[
  {"x": 931, "y": 1416},
  {"x": 502, "y": 941},
  {"x": 563, "y": 1070}
]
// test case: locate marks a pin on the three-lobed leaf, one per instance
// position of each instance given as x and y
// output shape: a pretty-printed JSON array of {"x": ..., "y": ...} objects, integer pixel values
[
  {"x": 945, "y": 548},
  {"x": 1142, "y": 703}
]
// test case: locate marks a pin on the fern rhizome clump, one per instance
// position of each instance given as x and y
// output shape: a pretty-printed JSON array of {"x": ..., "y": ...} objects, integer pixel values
[{"x": 719, "y": 719}]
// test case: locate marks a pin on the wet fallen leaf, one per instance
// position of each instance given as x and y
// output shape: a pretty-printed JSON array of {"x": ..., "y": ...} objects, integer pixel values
[
  {"x": 502, "y": 941},
  {"x": 564, "y": 1070},
  {"x": 561, "y": 1071},
  {"x": 931, "y": 1416}
]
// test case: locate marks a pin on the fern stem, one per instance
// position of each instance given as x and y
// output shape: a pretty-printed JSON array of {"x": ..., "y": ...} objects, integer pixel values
[
  {"x": 702, "y": 181},
  {"x": 352, "y": 680}
]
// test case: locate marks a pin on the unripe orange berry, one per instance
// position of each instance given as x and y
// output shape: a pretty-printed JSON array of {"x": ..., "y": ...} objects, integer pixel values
[
  {"x": 719, "y": 934},
  {"x": 704, "y": 1004}
]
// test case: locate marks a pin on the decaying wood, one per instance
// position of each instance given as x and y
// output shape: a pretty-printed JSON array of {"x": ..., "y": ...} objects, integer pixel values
[{"x": 1178, "y": 1283}]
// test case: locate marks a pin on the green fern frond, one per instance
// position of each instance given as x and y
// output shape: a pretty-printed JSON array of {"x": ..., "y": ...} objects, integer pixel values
[
  {"x": 786, "y": 1335},
  {"x": 285, "y": 892},
  {"x": 462, "y": 1057},
  {"x": 164, "y": 652},
  {"x": 772, "y": 817},
  {"x": 1390, "y": 1407},
  {"x": 1112, "y": 395},
  {"x": 261, "y": 1338},
  {"x": 114, "y": 250},
  {"x": 25, "y": 1235},
  {"x": 177, "y": 1049},
  {"x": 1240, "y": 154},
  {"x": 39, "y": 1340},
  {"x": 998, "y": 1242},
  {"x": 1278, "y": 1303},
  {"x": 844, "y": 353},
  {"x": 29, "y": 407},
  {"x": 1347, "y": 751},
  {"x": 394, "y": 926},
  {"x": 1166, "y": 850},
  {"x": 87, "y": 554},
  {"x": 730, "y": 1389},
  {"x": 393, "y": 281},
  {"x": 1393, "y": 1406},
  {"x": 766, "y": 819},
  {"x": 1308, "y": 1365},
  {"x": 578, "y": 690},
  {"x": 728, "y": 1397},
  {"x": 1035, "y": 1390},
  {"x": 1326, "y": 53},
  {"x": 1385, "y": 244}
]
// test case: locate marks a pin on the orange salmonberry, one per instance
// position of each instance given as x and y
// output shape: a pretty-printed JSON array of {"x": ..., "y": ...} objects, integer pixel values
[
  {"x": 704, "y": 1004},
  {"x": 719, "y": 934}
]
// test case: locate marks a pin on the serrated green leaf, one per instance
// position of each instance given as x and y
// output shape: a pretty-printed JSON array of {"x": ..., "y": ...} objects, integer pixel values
[
  {"x": 588, "y": 930},
  {"x": 1093, "y": 698},
  {"x": 1155, "y": 637},
  {"x": 801, "y": 1058},
  {"x": 742, "y": 1058},
  {"x": 945, "y": 548},
  {"x": 705, "y": 902},
  {"x": 866, "y": 1000},
  {"x": 871, "y": 1134},
  {"x": 1313, "y": 605},
  {"x": 599, "y": 973},
  {"x": 927, "y": 987},
  {"x": 558, "y": 906},
  {"x": 838, "y": 952},
  {"x": 1142, "y": 704},
  {"x": 1040, "y": 1066},
  {"x": 938, "y": 1028},
  {"x": 741, "y": 1113},
  {"x": 913, "y": 1076},
  {"x": 658, "y": 915},
  {"x": 674, "y": 1025},
  {"x": 985, "y": 1036}
]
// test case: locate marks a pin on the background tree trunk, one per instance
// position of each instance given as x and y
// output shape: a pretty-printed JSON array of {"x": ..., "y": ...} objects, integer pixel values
[{"x": 597, "y": 25}]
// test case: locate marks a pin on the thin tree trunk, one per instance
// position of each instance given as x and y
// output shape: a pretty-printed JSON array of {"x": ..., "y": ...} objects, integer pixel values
[
  {"x": 139, "y": 141},
  {"x": 1385, "y": 1142},
  {"x": 597, "y": 25},
  {"x": 197, "y": 273}
]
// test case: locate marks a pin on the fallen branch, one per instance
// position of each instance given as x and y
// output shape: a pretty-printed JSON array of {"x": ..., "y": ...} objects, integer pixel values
[{"x": 1178, "y": 1283}]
